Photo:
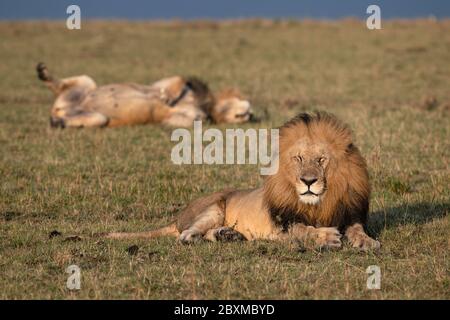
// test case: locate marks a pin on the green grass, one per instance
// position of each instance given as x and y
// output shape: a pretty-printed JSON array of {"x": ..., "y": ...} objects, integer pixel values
[{"x": 80, "y": 182}]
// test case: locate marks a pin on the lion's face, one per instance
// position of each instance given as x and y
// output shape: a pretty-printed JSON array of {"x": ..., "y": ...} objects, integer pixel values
[
  {"x": 308, "y": 162},
  {"x": 322, "y": 176},
  {"x": 231, "y": 107},
  {"x": 233, "y": 110}
]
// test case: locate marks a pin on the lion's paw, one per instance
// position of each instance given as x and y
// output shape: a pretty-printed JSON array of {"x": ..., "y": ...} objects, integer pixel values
[
  {"x": 189, "y": 236},
  {"x": 228, "y": 234},
  {"x": 57, "y": 123},
  {"x": 42, "y": 72},
  {"x": 328, "y": 238},
  {"x": 365, "y": 243}
]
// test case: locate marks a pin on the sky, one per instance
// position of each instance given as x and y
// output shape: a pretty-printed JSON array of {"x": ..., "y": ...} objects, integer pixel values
[{"x": 220, "y": 9}]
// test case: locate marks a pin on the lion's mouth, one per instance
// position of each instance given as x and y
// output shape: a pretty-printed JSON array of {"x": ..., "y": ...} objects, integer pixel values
[
  {"x": 309, "y": 198},
  {"x": 309, "y": 192},
  {"x": 243, "y": 115}
]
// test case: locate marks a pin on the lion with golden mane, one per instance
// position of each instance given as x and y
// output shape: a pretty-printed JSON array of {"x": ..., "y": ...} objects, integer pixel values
[
  {"x": 174, "y": 101},
  {"x": 320, "y": 192}
]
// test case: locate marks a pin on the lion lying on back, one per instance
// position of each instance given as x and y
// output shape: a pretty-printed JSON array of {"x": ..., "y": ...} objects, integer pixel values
[
  {"x": 173, "y": 101},
  {"x": 320, "y": 192}
]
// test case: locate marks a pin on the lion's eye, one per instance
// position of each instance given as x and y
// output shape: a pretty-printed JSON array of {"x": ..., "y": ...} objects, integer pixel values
[
  {"x": 321, "y": 160},
  {"x": 299, "y": 159}
]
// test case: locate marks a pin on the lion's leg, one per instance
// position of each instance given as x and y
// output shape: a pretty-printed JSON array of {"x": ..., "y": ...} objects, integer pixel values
[
  {"x": 224, "y": 234},
  {"x": 179, "y": 121},
  {"x": 184, "y": 118},
  {"x": 83, "y": 82},
  {"x": 359, "y": 239},
  {"x": 211, "y": 218},
  {"x": 85, "y": 119},
  {"x": 317, "y": 237},
  {"x": 57, "y": 86},
  {"x": 51, "y": 82}
]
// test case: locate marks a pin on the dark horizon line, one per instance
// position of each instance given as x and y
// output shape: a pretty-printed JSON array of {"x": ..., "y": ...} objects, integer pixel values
[{"x": 225, "y": 19}]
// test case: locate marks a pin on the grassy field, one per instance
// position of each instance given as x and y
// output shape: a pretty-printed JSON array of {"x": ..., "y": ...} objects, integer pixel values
[{"x": 391, "y": 86}]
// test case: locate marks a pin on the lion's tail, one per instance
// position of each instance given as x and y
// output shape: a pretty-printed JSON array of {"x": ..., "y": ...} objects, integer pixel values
[{"x": 170, "y": 230}]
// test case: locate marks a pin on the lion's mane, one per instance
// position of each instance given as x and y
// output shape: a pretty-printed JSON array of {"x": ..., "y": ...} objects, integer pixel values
[{"x": 346, "y": 200}]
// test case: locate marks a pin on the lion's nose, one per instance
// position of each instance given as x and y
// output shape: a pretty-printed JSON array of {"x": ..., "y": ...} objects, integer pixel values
[{"x": 308, "y": 181}]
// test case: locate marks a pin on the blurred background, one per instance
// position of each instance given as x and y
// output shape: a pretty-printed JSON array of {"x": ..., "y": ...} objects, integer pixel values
[{"x": 194, "y": 9}]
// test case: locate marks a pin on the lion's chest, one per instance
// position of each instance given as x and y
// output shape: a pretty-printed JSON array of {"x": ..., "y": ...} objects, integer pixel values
[{"x": 284, "y": 217}]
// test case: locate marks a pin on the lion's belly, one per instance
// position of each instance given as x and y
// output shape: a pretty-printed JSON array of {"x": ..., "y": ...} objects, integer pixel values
[
  {"x": 246, "y": 213},
  {"x": 124, "y": 105},
  {"x": 137, "y": 111}
]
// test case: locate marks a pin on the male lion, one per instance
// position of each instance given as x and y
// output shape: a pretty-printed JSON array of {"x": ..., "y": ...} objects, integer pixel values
[
  {"x": 320, "y": 191},
  {"x": 173, "y": 101}
]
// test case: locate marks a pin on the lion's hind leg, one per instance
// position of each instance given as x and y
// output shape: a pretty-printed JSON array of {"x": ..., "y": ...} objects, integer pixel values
[
  {"x": 58, "y": 86},
  {"x": 85, "y": 120},
  {"x": 211, "y": 218}
]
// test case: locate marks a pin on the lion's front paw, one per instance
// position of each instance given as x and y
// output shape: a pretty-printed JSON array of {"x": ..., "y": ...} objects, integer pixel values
[
  {"x": 327, "y": 238},
  {"x": 365, "y": 243}
]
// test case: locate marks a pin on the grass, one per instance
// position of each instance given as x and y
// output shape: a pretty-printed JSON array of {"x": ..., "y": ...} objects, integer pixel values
[{"x": 80, "y": 182}]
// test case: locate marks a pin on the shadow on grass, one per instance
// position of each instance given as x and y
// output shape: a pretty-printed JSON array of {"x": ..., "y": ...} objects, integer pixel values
[{"x": 418, "y": 213}]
